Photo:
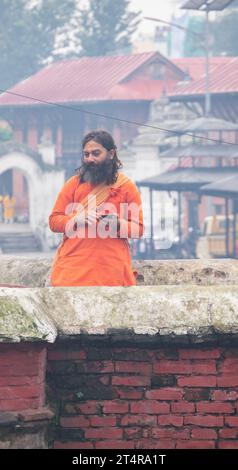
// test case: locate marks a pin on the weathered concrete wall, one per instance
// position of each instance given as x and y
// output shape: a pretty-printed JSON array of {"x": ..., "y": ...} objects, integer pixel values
[
  {"x": 34, "y": 272},
  {"x": 194, "y": 313},
  {"x": 150, "y": 366}
]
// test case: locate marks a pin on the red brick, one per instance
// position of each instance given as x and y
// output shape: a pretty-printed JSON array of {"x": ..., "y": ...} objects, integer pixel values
[
  {"x": 18, "y": 371},
  {"x": 103, "y": 433},
  {"x": 229, "y": 366},
  {"x": 190, "y": 444},
  {"x": 100, "y": 421},
  {"x": 146, "y": 432},
  {"x": 227, "y": 381},
  {"x": 231, "y": 352},
  {"x": 228, "y": 444},
  {"x": 149, "y": 407},
  {"x": 170, "y": 420},
  {"x": 17, "y": 347},
  {"x": 231, "y": 421},
  {"x": 116, "y": 406},
  {"x": 204, "y": 367},
  {"x": 40, "y": 352},
  {"x": 206, "y": 407},
  {"x": 129, "y": 393},
  {"x": 202, "y": 381},
  {"x": 74, "y": 421},
  {"x": 182, "y": 407},
  {"x": 114, "y": 445},
  {"x": 185, "y": 367},
  {"x": 18, "y": 359},
  {"x": 166, "y": 394},
  {"x": 19, "y": 405},
  {"x": 196, "y": 394},
  {"x": 169, "y": 433},
  {"x": 207, "y": 421},
  {"x": 164, "y": 353},
  {"x": 89, "y": 408},
  {"x": 138, "y": 420},
  {"x": 135, "y": 381},
  {"x": 65, "y": 355},
  {"x": 72, "y": 445},
  {"x": 104, "y": 379},
  {"x": 30, "y": 391},
  {"x": 222, "y": 395},
  {"x": 132, "y": 433},
  {"x": 142, "y": 368},
  {"x": 36, "y": 415},
  {"x": 97, "y": 367},
  {"x": 203, "y": 433},
  {"x": 132, "y": 354},
  {"x": 42, "y": 373},
  {"x": 200, "y": 353},
  {"x": 228, "y": 433},
  {"x": 172, "y": 367},
  {"x": 155, "y": 444},
  {"x": 23, "y": 357},
  {"x": 9, "y": 381}
]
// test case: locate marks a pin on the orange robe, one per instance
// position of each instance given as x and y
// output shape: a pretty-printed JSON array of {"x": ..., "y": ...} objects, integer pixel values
[{"x": 93, "y": 261}]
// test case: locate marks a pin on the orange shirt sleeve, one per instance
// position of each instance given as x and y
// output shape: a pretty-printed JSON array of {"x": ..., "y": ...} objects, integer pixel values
[
  {"x": 58, "y": 218},
  {"x": 131, "y": 226}
]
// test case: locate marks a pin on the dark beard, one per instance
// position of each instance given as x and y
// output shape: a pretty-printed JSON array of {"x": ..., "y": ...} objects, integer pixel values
[{"x": 96, "y": 174}]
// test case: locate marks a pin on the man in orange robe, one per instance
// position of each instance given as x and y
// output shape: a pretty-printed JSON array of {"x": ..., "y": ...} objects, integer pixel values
[{"x": 99, "y": 257}]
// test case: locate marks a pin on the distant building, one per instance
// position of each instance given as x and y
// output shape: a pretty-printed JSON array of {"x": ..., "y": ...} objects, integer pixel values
[
  {"x": 223, "y": 88},
  {"x": 51, "y": 111},
  {"x": 66, "y": 99}
]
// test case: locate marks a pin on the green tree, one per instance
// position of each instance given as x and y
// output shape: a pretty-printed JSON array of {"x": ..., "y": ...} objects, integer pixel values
[
  {"x": 28, "y": 33},
  {"x": 105, "y": 27},
  {"x": 225, "y": 34},
  {"x": 192, "y": 45}
]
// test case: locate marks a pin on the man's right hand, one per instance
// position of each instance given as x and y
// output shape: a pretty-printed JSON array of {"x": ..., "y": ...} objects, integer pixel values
[{"x": 86, "y": 218}]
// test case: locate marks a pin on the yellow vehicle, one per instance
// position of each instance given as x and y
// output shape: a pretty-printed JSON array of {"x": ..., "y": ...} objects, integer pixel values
[{"x": 214, "y": 232}]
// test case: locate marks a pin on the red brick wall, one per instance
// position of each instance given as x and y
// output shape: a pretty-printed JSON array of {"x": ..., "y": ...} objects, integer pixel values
[
  {"x": 135, "y": 397},
  {"x": 22, "y": 376}
]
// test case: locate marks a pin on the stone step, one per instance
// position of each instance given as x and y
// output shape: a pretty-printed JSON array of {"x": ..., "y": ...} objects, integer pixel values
[{"x": 19, "y": 242}]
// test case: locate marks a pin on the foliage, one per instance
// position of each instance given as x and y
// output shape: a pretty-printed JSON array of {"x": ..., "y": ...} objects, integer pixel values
[
  {"x": 5, "y": 134},
  {"x": 192, "y": 45},
  {"x": 33, "y": 33},
  {"x": 225, "y": 34},
  {"x": 28, "y": 32},
  {"x": 105, "y": 27}
]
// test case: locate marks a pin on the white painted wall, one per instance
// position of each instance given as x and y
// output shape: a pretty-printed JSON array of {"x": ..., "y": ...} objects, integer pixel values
[{"x": 43, "y": 189}]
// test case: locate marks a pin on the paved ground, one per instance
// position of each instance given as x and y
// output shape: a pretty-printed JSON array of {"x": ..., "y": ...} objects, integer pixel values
[
  {"x": 34, "y": 254},
  {"x": 202, "y": 249},
  {"x": 23, "y": 228},
  {"x": 14, "y": 228}
]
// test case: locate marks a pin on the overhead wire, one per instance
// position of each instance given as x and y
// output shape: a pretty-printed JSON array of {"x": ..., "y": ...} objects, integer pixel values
[{"x": 114, "y": 118}]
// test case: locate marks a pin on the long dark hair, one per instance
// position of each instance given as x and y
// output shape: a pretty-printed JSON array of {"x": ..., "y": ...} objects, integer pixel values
[{"x": 106, "y": 140}]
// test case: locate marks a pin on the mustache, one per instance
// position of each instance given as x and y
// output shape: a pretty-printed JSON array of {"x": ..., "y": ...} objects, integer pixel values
[
  {"x": 96, "y": 172},
  {"x": 107, "y": 165}
]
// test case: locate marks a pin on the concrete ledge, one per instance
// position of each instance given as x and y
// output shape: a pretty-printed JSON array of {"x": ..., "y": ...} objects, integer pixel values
[
  {"x": 26, "y": 271},
  {"x": 23, "y": 316},
  {"x": 161, "y": 312},
  {"x": 34, "y": 272}
]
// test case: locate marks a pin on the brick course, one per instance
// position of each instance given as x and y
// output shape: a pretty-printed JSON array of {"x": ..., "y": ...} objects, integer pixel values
[{"x": 176, "y": 398}]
